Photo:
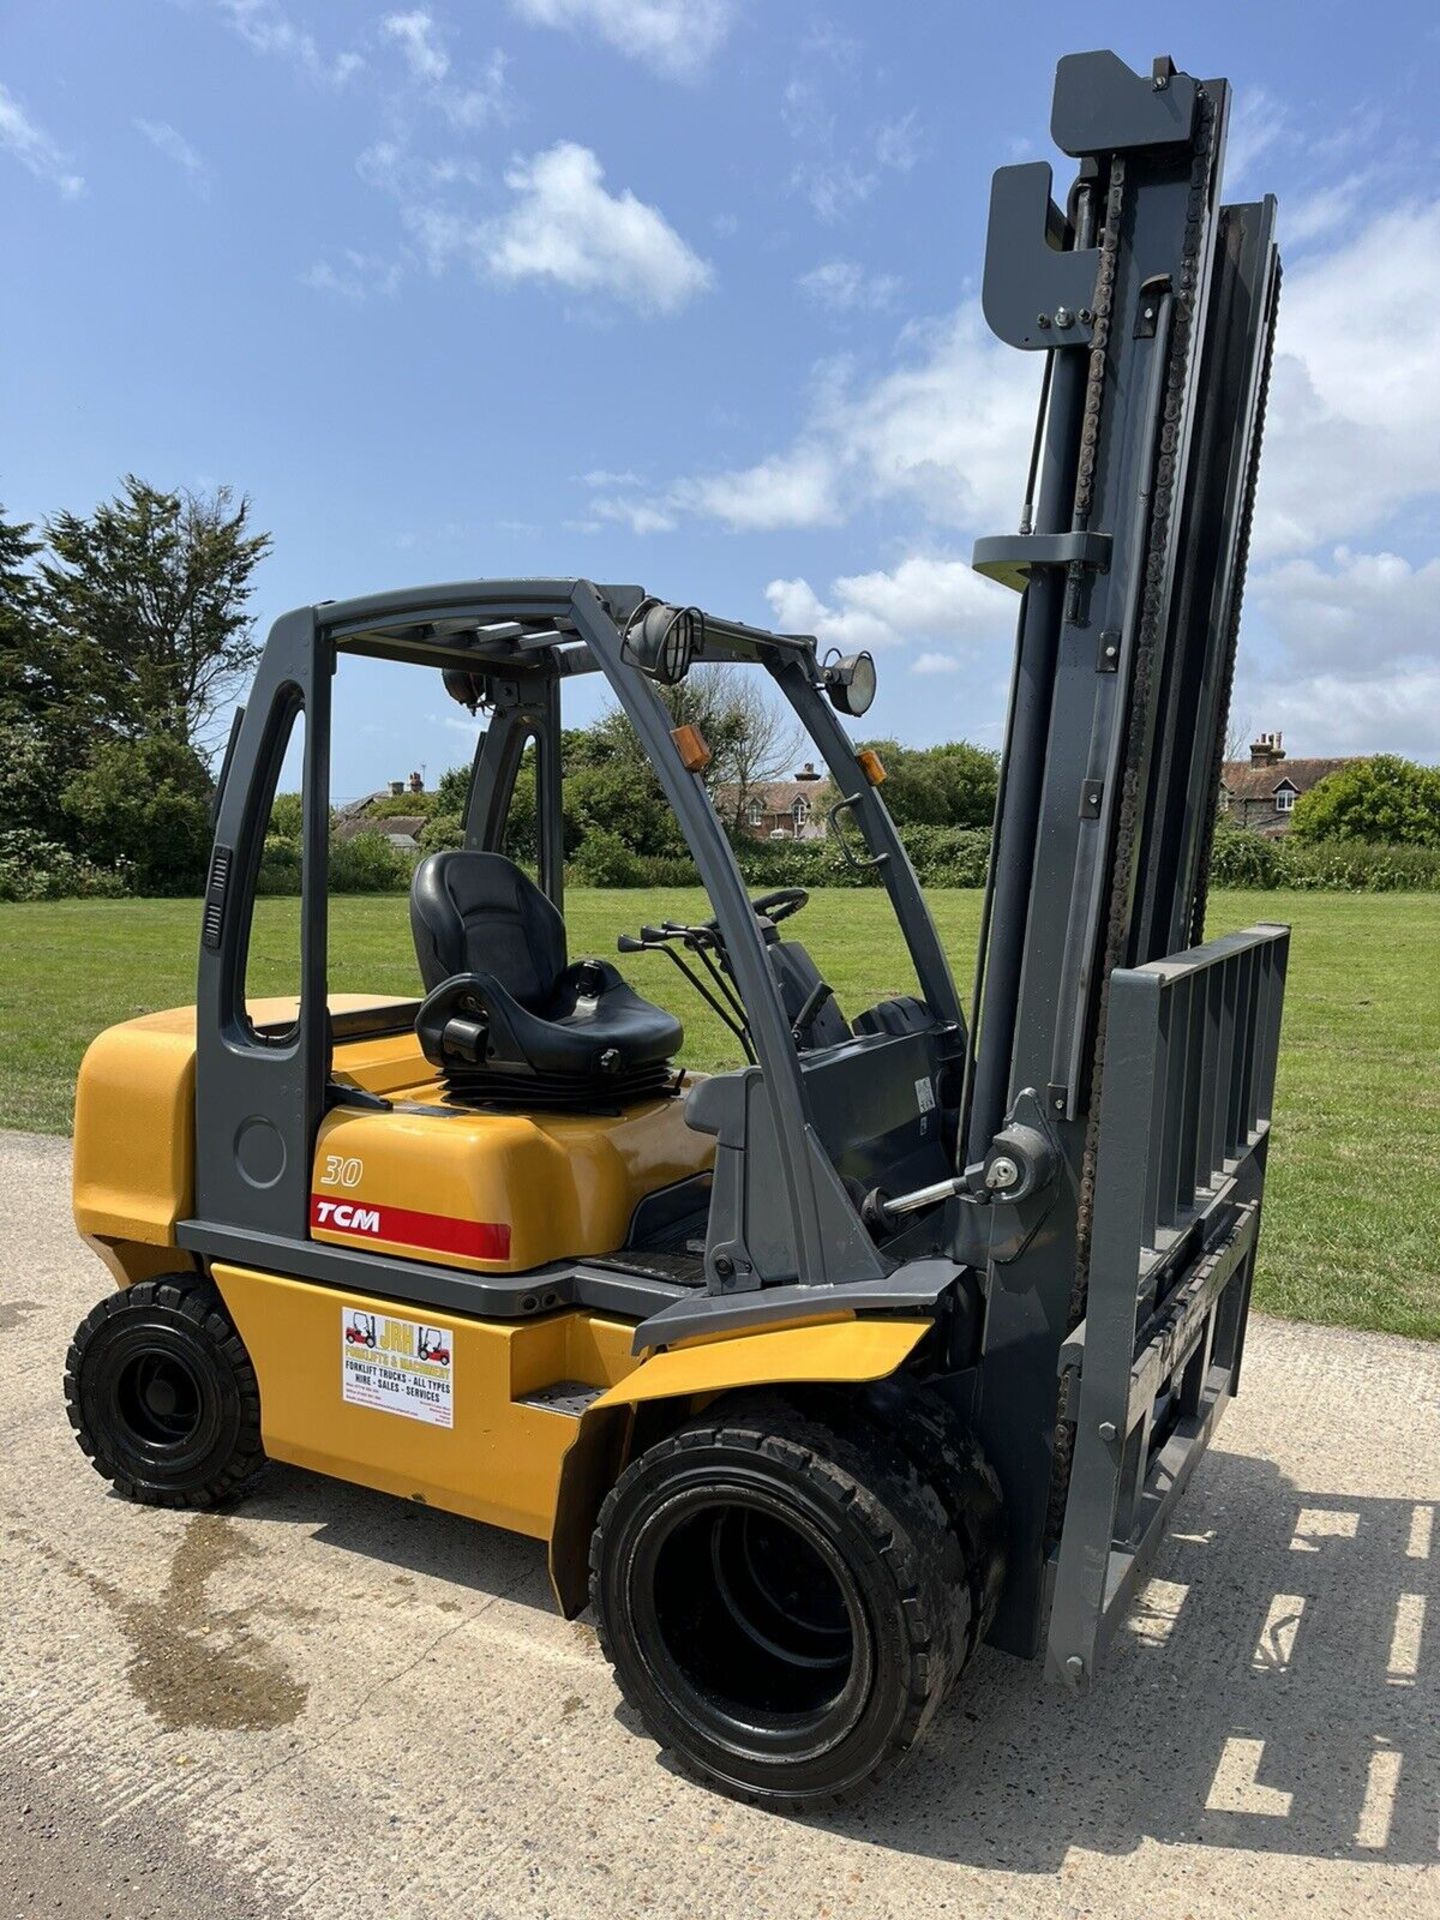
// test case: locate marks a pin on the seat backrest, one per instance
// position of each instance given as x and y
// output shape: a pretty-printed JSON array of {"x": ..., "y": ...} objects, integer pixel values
[{"x": 478, "y": 913}]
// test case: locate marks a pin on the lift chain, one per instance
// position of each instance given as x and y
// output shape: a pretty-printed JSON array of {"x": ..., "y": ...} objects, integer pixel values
[
  {"x": 1242, "y": 561},
  {"x": 1099, "y": 341},
  {"x": 1146, "y": 642}
]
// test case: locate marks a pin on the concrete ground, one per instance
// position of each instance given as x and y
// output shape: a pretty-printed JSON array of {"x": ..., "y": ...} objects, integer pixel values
[{"x": 328, "y": 1703}]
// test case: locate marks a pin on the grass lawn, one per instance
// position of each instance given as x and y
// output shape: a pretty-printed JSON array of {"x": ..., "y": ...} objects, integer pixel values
[{"x": 1352, "y": 1233}]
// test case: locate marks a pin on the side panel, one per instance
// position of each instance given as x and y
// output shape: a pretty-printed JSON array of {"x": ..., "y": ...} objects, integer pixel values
[
  {"x": 500, "y": 1459},
  {"x": 495, "y": 1192},
  {"x": 133, "y": 1173},
  {"x": 134, "y": 1161}
]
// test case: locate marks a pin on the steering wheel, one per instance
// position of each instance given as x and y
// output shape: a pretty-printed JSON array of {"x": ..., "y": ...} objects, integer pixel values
[{"x": 781, "y": 904}]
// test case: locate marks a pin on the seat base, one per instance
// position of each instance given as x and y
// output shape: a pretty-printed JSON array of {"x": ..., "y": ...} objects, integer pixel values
[{"x": 492, "y": 1090}]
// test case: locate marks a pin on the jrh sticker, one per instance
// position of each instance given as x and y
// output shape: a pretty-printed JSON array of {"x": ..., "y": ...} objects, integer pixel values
[{"x": 397, "y": 1366}]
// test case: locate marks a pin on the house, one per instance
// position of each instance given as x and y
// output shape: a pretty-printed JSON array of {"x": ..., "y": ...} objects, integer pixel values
[
  {"x": 402, "y": 830},
  {"x": 1261, "y": 792},
  {"x": 791, "y": 809}
]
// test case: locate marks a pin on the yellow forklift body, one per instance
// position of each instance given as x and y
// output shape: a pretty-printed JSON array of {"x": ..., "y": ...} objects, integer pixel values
[
  {"x": 134, "y": 1164},
  {"x": 482, "y": 1451},
  {"x": 473, "y": 1436},
  {"x": 488, "y": 1192},
  {"x": 495, "y": 1192}
]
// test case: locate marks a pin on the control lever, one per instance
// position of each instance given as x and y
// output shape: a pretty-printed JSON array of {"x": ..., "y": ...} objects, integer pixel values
[
  {"x": 814, "y": 1001},
  {"x": 653, "y": 940}
]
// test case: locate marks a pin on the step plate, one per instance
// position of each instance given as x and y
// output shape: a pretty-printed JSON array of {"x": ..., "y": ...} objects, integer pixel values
[{"x": 570, "y": 1397}]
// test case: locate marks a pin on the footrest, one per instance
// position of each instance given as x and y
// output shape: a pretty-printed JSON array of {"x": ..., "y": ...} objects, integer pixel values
[{"x": 570, "y": 1397}]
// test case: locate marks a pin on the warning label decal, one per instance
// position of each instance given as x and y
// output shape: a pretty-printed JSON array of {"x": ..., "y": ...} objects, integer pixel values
[{"x": 397, "y": 1366}]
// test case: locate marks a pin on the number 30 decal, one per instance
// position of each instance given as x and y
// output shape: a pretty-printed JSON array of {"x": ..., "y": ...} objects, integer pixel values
[{"x": 342, "y": 1172}]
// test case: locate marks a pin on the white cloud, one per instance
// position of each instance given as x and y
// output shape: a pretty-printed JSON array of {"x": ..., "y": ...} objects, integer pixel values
[
  {"x": 1333, "y": 713},
  {"x": 35, "y": 150},
  {"x": 1354, "y": 419},
  {"x": 1357, "y": 668},
  {"x": 443, "y": 235},
  {"x": 897, "y": 144},
  {"x": 266, "y": 28},
  {"x": 477, "y": 104},
  {"x": 353, "y": 276},
  {"x": 803, "y": 112},
  {"x": 414, "y": 34},
  {"x": 170, "y": 142},
  {"x": 641, "y": 516},
  {"x": 1353, "y": 431},
  {"x": 1363, "y": 611},
  {"x": 834, "y": 188},
  {"x": 922, "y": 599},
  {"x": 794, "y": 489},
  {"x": 390, "y": 165},
  {"x": 676, "y": 38},
  {"x": 1257, "y": 122},
  {"x": 564, "y": 226},
  {"x": 844, "y": 286},
  {"x": 946, "y": 431},
  {"x": 1329, "y": 210}
]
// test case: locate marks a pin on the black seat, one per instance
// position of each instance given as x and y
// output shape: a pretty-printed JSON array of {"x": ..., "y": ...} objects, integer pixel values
[{"x": 503, "y": 1004}]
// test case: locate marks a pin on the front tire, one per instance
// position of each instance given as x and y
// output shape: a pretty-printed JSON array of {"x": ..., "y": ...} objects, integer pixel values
[
  {"x": 776, "y": 1601},
  {"x": 162, "y": 1395}
]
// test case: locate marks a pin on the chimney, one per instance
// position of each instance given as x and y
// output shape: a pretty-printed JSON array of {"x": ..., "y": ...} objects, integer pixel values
[
  {"x": 397, "y": 786},
  {"x": 1267, "y": 750},
  {"x": 807, "y": 772},
  {"x": 417, "y": 783}
]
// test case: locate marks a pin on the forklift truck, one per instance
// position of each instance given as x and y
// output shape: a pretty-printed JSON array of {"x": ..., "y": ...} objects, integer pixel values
[{"x": 906, "y": 1333}]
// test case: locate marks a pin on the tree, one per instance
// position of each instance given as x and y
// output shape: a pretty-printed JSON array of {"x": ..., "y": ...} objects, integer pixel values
[
  {"x": 143, "y": 806},
  {"x": 1385, "y": 800},
  {"x": 757, "y": 738},
  {"x": 749, "y": 732},
  {"x": 40, "y": 742},
  {"x": 453, "y": 790},
  {"x": 952, "y": 785},
  {"x": 154, "y": 587},
  {"x": 19, "y": 617}
]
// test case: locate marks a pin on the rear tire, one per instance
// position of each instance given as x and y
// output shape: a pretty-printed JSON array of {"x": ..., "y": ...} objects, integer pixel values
[
  {"x": 162, "y": 1395},
  {"x": 779, "y": 1602}
]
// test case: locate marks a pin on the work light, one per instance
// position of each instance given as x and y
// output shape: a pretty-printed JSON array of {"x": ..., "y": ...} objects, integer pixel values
[
  {"x": 850, "y": 683},
  {"x": 661, "y": 640}
]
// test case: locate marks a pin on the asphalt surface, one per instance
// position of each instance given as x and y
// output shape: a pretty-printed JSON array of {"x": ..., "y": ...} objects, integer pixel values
[{"x": 329, "y": 1703}]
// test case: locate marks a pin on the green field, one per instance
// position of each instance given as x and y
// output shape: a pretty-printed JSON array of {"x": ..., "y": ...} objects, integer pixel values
[{"x": 1352, "y": 1231}]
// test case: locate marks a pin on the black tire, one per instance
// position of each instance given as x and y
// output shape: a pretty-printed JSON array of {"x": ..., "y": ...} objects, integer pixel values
[
  {"x": 916, "y": 1417},
  {"x": 162, "y": 1395},
  {"x": 777, "y": 1601}
]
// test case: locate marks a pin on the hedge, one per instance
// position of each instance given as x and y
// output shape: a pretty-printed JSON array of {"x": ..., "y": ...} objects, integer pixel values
[
  {"x": 1243, "y": 858},
  {"x": 366, "y": 864},
  {"x": 34, "y": 868}
]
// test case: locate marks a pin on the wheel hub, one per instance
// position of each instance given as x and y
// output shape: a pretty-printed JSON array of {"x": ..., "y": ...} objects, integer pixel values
[{"x": 158, "y": 1398}]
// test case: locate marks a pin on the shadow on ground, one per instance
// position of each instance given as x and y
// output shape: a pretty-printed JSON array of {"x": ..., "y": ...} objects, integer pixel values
[{"x": 1271, "y": 1691}]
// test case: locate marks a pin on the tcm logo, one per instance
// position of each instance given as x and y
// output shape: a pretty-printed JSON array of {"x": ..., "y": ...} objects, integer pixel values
[{"x": 348, "y": 1218}]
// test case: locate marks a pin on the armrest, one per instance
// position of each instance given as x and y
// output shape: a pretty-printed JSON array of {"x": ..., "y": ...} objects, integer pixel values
[{"x": 468, "y": 1021}]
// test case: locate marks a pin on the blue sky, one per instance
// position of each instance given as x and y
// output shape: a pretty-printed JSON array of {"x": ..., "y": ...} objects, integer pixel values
[{"x": 683, "y": 292}]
